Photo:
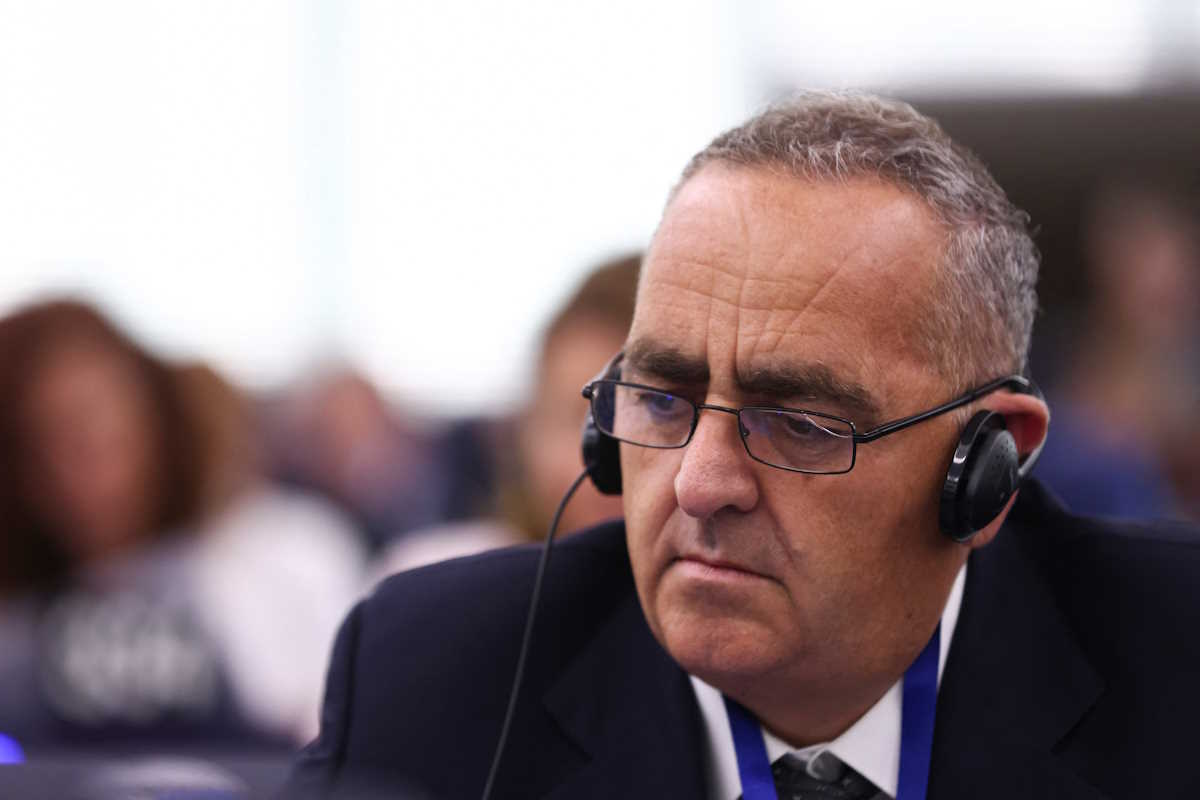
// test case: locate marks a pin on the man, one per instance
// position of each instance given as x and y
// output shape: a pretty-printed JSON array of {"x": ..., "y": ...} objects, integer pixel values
[{"x": 784, "y": 581}]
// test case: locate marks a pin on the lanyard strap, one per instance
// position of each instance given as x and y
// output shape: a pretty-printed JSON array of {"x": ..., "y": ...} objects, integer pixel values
[
  {"x": 919, "y": 706},
  {"x": 751, "y": 749},
  {"x": 916, "y": 721}
]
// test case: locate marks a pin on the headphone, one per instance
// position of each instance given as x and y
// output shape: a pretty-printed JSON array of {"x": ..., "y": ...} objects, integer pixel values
[{"x": 984, "y": 473}]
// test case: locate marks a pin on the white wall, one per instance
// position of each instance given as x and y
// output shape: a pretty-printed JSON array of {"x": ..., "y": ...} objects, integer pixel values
[{"x": 415, "y": 185}]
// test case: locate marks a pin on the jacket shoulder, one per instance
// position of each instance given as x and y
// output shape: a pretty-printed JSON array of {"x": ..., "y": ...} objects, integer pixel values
[
  {"x": 1124, "y": 569},
  {"x": 1127, "y": 592},
  {"x": 422, "y": 669},
  {"x": 1072, "y": 660},
  {"x": 1129, "y": 587}
]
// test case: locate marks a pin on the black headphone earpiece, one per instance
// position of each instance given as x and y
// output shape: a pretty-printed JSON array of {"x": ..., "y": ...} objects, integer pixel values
[
  {"x": 601, "y": 457},
  {"x": 601, "y": 452},
  {"x": 983, "y": 475}
]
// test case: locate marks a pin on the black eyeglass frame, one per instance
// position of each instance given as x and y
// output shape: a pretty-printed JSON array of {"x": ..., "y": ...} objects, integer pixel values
[{"x": 1016, "y": 382}]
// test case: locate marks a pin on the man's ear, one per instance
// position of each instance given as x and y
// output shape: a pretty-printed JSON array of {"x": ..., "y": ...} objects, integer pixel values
[{"x": 1027, "y": 418}]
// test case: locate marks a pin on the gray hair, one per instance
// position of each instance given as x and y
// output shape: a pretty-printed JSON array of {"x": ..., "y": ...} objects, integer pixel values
[{"x": 981, "y": 318}]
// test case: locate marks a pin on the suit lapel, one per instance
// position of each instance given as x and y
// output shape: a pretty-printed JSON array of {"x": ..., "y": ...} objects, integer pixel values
[
  {"x": 631, "y": 709},
  {"x": 1016, "y": 681}
]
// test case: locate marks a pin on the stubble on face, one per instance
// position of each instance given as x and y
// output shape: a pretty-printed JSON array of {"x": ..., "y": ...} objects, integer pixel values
[{"x": 761, "y": 581}]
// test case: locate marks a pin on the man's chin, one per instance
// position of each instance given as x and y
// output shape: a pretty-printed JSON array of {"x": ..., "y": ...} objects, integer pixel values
[{"x": 721, "y": 651}]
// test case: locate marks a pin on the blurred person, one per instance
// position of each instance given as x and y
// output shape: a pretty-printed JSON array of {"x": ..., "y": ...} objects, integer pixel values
[
  {"x": 392, "y": 472},
  {"x": 1126, "y": 437},
  {"x": 98, "y": 460},
  {"x": 274, "y": 570},
  {"x": 539, "y": 457},
  {"x": 833, "y": 577},
  {"x": 581, "y": 337},
  {"x": 152, "y": 588}
]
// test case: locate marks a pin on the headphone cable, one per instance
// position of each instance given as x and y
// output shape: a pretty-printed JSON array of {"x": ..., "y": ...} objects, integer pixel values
[{"x": 533, "y": 604}]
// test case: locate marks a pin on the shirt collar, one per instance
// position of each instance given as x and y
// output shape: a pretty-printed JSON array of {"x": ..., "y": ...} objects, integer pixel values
[{"x": 871, "y": 745}]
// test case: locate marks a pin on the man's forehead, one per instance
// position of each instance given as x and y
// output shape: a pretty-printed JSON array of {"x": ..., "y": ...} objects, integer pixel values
[
  {"x": 788, "y": 275},
  {"x": 775, "y": 212}
]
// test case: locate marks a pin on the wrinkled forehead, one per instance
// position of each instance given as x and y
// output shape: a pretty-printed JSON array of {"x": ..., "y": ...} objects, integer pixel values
[{"x": 755, "y": 271}]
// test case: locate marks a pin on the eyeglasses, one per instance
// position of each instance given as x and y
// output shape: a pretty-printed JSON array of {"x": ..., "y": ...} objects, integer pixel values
[{"x": 788, "y": 438}]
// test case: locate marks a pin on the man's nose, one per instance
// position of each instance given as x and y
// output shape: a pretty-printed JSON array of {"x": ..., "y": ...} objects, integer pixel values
[{"x": 716, "y": 472}]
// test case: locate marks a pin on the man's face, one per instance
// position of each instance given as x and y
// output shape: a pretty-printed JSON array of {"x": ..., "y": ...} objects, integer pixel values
[{"x": 762, "y": 289}]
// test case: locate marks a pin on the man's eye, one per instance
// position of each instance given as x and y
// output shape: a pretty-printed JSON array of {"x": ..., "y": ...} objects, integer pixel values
[
  {"x": 661, "y": 405},
  {"x": 801, "y": 427}
]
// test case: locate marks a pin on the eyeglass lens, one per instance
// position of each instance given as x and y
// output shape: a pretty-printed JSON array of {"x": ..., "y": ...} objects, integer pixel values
[{"x": 790, "y": 439}]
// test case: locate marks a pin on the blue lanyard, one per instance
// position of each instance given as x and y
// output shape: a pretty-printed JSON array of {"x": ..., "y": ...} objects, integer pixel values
[{"x": 919, "y": 705}]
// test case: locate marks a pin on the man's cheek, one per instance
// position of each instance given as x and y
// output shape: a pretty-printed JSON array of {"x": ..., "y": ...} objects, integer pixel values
[{"x": 648, "y": 484}]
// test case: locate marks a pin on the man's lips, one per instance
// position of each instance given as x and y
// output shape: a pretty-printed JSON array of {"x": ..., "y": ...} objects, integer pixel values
[{"x": 711, "y": 568}]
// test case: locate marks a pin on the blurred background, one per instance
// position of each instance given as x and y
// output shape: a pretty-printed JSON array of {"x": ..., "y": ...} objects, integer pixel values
[{"x": 295, "y": 294}]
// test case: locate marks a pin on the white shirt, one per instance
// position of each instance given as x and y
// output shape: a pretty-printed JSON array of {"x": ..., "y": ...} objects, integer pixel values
[
  {"x": 871, "y": 745},
  {"x": 273, "y": 575}
]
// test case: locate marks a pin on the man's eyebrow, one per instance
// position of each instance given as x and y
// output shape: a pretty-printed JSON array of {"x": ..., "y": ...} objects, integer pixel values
[
  {"x": 811, "y": 382},
  {"x": 795, "y": 383},
  {"x": 654, "y": 360}
]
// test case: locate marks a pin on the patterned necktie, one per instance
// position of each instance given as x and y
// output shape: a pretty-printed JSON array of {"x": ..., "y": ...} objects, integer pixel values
[{"x": 824, "y": 777}]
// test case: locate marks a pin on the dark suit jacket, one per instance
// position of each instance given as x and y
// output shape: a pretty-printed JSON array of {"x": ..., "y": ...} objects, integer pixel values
[{"x": 1074, "y": 673}]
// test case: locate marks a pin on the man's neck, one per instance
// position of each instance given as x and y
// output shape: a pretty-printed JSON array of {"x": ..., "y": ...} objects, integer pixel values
[
  {"x": 821, "y": 715},
  {"x": 869, "y": 742},
  {"x": 804, "y": 710}
]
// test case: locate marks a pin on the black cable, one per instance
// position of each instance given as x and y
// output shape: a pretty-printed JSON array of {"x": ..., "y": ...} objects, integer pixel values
[{"x": 533, "y": 604}]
